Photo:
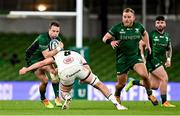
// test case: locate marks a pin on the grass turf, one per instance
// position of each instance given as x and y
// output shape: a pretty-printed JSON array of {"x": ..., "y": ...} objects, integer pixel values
[{"x": 84, "y": 107}]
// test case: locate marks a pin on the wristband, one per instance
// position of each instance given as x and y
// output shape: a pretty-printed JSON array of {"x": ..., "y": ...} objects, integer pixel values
[
  {"x": 58, "y": 48},
  {"x": 108, "y": 41},
  {"x": 142, "y": 55},
  {"x": 169, "y": 59}
]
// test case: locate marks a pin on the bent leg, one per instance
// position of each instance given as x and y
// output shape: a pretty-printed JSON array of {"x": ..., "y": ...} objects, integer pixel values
[
  {"x": 44, "y": 81},
  {"x": 140, "y": 68},
  {"x": 95, "y": 82}
]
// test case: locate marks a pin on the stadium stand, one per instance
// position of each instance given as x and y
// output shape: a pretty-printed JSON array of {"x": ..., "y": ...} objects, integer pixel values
[{"x": 101, "y": 58}]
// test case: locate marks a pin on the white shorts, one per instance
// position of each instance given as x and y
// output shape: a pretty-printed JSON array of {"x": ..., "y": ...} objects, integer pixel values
[{"x": 68, "y": 76}]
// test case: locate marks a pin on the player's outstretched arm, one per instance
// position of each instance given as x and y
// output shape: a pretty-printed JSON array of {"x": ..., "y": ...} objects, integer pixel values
[
  {"x": 146, "y": 41},
  {"x": 142, "y": 46},
  {"x": 46, "y": 61}
]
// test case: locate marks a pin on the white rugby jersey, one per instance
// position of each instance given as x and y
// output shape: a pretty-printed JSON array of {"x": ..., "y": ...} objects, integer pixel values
[{"x": 62, "y": 61}]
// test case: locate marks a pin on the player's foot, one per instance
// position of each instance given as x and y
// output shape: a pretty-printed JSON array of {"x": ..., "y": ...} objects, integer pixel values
[
  {"x": 47, "y": 103},
  {"x": 153, "y": 100},
  {"x": 118, "y": 99},
  {"x": 120, "y": 107},
  {"x": 58, "y": 102},
  {"x": 167, "y": 104},
  {"x": 129, "y": 85},
  {"x": 67, "y": 102}
]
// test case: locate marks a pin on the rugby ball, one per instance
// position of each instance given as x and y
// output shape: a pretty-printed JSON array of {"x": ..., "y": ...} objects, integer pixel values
[{"x": 53, "y": 44}]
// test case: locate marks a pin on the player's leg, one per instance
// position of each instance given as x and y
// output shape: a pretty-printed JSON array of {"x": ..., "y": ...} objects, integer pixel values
[
  {"x": 67, "y": 78},
  {"x": 122, "y": 69},
  {"x": 92, "y": 79},
  {"x": 161, "y": 74},
  {"x": 65, "y": 93},
  {"x": 141, "y": 70},
  {"x": 42, "y": 88},
  {"x": 155, "y": 82},
  {"x": 55, "y": 83},
  {"x": 121, "y": 81}
]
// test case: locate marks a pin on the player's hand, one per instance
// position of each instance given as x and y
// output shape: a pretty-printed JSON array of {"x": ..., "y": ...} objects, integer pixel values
[
  {"x": 23, "y": 71},
  {"x": 149, "y": 49},
  {"x": 61, "y": 45},
  {"x": 143, "y": 58},
  {"x": 114, "y": 43},
  {"x": 168, "y": 63}
]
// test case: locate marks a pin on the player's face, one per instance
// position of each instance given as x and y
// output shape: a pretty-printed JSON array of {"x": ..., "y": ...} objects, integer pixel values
[
  {"x": 128, "y": 19},
  {"x": 54, "y": 31},
  {"x": 160, "y": 25}
]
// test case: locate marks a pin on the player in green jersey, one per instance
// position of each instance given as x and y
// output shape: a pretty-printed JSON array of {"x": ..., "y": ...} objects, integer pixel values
[
  {"x": 38, "y": 51},
  {"x": 155, "y": 62},
  {"x": 126, "y": 42}
]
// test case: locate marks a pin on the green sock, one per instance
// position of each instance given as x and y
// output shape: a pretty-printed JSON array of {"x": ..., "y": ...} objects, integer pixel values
[
  {"x": 136, "y": 82},
  {"x": 163, "y": 98},
  {"x": 56, "y": 89},
  {"x": 149, "y": 92},
  {"x": 118, "y": 91},
  {"x": 42, "y": 90}
]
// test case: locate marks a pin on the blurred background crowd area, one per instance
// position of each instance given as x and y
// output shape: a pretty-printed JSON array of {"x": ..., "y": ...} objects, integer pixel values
[{"x": 17, "y": 33}]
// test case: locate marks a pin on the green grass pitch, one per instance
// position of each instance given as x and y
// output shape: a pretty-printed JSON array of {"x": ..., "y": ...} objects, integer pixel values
[{"x": 84, "y": 107}]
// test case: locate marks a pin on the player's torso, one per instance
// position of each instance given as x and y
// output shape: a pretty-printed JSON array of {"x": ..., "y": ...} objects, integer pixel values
[
  {"x": 159, "y": 44},
  {"x": 64, "y": 62},
  {"x": 129, "y": 38}
]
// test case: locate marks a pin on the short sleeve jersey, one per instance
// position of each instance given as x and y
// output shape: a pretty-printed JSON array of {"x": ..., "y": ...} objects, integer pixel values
[
  {"x": 129, "y": 38},
  {"x": 34, "y": 51},
  {"x": 160, "y": 43}
]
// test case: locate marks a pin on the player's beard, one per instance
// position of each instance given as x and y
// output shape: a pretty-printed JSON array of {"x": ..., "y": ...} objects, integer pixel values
[{"x": 161, "y": 29}]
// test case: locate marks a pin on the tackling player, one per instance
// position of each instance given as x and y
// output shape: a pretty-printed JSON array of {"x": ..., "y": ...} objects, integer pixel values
[{"x": 71, "y": 66}]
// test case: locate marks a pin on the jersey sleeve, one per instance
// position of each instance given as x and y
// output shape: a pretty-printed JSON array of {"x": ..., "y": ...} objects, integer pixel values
[
  {"x": 113, "y": 30},
  {"x": 169, "y": 46},
  {"x": 141, "y": 29}
]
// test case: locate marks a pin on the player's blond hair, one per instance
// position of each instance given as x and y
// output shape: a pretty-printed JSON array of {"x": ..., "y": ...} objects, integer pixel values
[{"x": 129, "y": 10}]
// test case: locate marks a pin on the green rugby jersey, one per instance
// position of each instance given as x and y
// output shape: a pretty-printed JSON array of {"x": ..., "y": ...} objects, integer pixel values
[
  {"x": 34, "y": 51},
  {"x": 160, "y": 43},
  {"x": 129, "y": 38}
]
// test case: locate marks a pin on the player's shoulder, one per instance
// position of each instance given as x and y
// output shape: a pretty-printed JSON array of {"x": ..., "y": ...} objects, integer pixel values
[
  {"x": 118, "y": 25},
  {"x": 153, "y": 32},
  {"x": 43, "y": 36},
  {"x": 137, "y": 24}
]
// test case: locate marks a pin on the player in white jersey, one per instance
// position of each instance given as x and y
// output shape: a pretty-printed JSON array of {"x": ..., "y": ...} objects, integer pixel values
[{"x": 71, "y": 65}]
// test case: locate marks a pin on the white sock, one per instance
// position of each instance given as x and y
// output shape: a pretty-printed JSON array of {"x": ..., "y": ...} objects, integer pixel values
[{"x": 113, "y": 99}]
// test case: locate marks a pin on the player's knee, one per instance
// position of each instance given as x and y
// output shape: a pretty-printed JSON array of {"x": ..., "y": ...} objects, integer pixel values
[
  {"x": 164, "y": 80},
  {"x": 94, "y": 80}
]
